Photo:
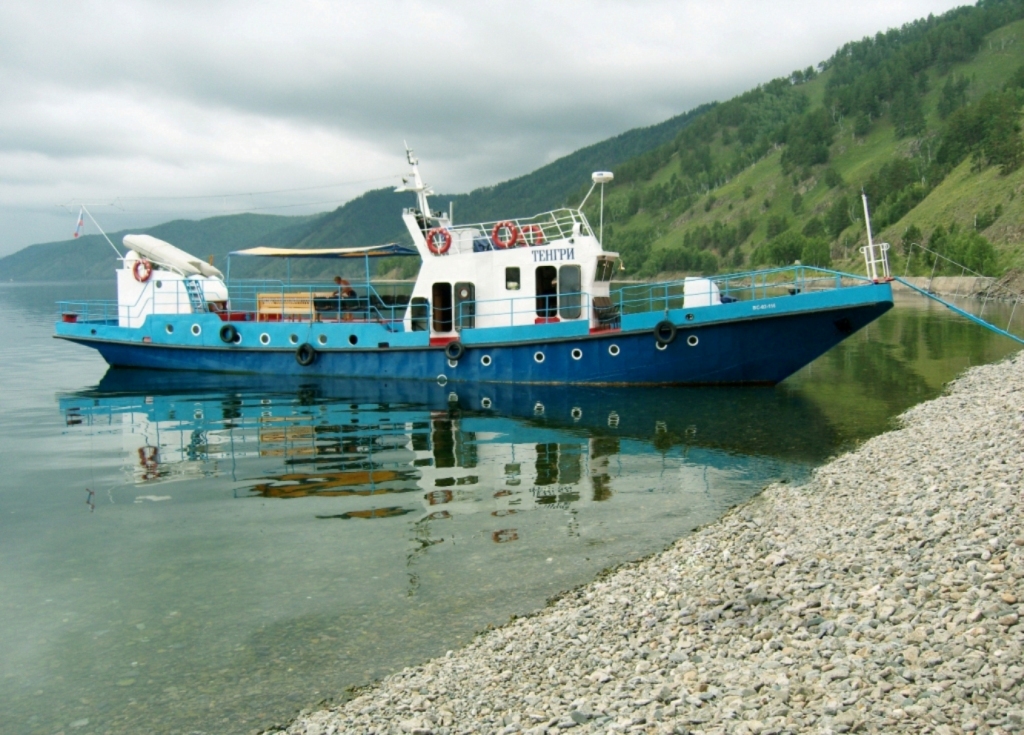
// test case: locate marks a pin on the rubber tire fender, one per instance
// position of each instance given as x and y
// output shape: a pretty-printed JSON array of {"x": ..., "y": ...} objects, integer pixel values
[
  {"x": 665, "y": 332},
  {"x": 454, "y": 350},
  {"x": 305, "y": 355},
  {"x": 228, "y": 334}
]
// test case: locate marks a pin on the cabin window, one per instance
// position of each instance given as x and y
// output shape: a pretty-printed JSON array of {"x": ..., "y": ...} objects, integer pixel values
[
  {"x": 442, "y": 302},
  {"x": 547, "y": 290},
  {"x": 605, "y": 269},
  {"x": 465, "y": 306},
  {"x": 419, "y": 309},
  {"x": 511, "y": 279},
  {"x": 569, "y": 287}
]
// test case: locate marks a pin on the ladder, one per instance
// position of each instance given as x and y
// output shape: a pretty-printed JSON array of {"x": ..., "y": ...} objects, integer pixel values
[{"x": 195, "y": 296}]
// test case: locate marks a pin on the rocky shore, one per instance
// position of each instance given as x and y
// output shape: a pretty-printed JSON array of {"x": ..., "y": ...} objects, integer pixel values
[{"x": 885, "y": 595}]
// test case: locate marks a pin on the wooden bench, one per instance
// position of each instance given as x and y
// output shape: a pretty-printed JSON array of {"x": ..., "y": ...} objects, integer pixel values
[{"x": 279, "y": 305}]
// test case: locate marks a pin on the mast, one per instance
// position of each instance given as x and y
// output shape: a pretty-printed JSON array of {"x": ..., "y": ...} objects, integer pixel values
[{"x": 417, "y": 185}]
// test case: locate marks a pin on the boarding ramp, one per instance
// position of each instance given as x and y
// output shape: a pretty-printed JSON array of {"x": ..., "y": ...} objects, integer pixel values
[{"x": 996, "y": 290}]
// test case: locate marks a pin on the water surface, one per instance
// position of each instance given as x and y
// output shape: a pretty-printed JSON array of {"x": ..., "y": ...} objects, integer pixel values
[{"x": 190, "y": 553}]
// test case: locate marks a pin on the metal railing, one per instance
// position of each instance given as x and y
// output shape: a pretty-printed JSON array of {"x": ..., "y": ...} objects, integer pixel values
[
  {"x": 273, "y": 300},
  {"x": 541, "y": 229},
  {"x": 763, "y": 284}
]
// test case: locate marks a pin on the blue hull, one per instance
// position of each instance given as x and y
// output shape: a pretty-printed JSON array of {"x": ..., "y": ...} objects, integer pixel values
[{"x": 750, "y": 342}]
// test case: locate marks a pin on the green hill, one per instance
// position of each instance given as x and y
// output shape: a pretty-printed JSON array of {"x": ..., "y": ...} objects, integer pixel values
[{"x": 925, "y": 119}]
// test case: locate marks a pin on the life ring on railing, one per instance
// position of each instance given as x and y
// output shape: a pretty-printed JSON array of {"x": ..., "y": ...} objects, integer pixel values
[
  {"x": 228, "y": 334},
  {"x": 446, "y": 240},
  {"x": 513, "y": 234},
  {"x": 536, "y": 232},
  {"x": 665, "y": 332},
  {"x": 142, "y": 270},
  {"x": 305, "y": 355},
  {"x": 454, "y": 350}
]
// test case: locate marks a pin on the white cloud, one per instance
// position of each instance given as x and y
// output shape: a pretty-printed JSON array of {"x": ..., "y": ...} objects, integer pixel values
[{"x": 101, "y": 100}]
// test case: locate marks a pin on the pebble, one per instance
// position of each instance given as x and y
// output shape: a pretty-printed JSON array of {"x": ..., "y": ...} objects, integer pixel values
[{"x": 881, "y": 596}]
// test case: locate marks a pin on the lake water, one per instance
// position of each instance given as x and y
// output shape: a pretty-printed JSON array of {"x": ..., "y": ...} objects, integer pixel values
[{"x": 211, "y": 554}]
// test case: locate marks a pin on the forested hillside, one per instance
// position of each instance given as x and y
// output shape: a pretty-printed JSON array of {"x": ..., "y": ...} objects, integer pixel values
[{"x": 924, "y": 118}]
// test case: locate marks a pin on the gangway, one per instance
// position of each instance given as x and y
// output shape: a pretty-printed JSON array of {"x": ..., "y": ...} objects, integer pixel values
[{"x": 876, "y": 258}]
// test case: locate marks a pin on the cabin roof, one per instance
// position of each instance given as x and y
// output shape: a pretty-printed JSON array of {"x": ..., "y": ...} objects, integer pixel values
[{"x": 391, "y": 249}]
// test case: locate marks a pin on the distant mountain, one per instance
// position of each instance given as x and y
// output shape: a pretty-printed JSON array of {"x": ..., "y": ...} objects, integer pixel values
[
  {"x": 371, "y": 218},
  {"x": 91, "y": 256}
]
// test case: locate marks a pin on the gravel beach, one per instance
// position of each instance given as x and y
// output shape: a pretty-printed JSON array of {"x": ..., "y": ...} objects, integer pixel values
[{"x": 884, "y": 595}]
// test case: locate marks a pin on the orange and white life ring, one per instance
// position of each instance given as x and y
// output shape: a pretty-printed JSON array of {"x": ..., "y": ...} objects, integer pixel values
[
  {"x": 533, "y": 235},
  {"x": 513, "y": 234},
  {"x": 142, "y": 270},
  {"x": 446, "y": 240}
]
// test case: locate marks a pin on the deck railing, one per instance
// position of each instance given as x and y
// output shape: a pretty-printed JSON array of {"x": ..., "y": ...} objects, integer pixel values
[
  {"x": 762, "y": 284},
  {"x": 541, "y": 229}
]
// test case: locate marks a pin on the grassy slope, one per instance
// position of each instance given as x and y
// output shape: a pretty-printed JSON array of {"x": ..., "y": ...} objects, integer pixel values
[{"x": 962, "y": 195}]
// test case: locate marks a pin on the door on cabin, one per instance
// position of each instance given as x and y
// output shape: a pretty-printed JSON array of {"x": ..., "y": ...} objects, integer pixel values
[
  {"x": 465, "y": 306},
  {"x": 441, "y": 301},
  {"x": 547, "y": 291}
]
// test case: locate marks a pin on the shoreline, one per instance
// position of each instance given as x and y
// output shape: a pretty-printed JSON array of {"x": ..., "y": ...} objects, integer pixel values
[{"x": 883, "y": 595}]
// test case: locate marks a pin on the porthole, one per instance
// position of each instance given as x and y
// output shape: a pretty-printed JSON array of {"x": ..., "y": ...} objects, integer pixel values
[
  {"x": 485, "y": 360},
  {"x": 661, "y": 346},
  {"x": 692, "y": 340},
  {"x": 613, "y": 420},
  {"x": 453, "y": 397},
  {"x": 264, "y": 339},
  {"x": 485, "y": 402},
  {"x": 170, "y": 329},
  {"x": 689, "y": 317},
  {"x": 453, "y": 363},
  {"x": 197, "y": 415},
  {"x": 266, "y": 414},
  {"x": 577, "y": 353},
  {"x": 576, "y": 413},
  {"x": 238, "y": 339},
  {"x": 352, "y": 340},
  {"x": 538, "y": 357},
  {"x": 293, "y": 338},
  {"x": 322, "y": 339},
  {"x": 613, "y": 350},
  {"x": 196, "y": 330},
  {"x": 265, "y": 401},
  {"x": 538, "y": 409},
  {"x": 442, "y": 379}
]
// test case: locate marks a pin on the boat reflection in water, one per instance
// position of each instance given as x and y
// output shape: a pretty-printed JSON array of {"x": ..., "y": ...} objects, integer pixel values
[
  {"x": 316, "y": 534},
  {"x": 425, "y": 446}
]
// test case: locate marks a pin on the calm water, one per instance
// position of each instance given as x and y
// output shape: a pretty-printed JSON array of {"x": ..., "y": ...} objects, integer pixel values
[{"x": 184, "y": 554}]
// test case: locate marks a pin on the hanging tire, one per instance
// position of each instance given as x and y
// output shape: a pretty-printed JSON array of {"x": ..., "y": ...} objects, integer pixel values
[
  {"x": 665, "y": 332},
  {"x": 305, "y": 355},
  {"x": 228, "y": 334},
  {"x": 454, "y": 350}
]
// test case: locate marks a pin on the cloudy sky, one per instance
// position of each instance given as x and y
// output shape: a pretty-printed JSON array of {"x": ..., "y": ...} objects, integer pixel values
[{"x": 147, "y": 111}]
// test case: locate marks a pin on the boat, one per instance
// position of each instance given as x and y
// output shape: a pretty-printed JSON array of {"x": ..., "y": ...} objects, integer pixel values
[{"x": 521, "y": 300}]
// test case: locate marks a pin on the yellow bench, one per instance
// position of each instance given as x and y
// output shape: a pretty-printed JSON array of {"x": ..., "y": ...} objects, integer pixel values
[{"x": 288, "y": 304}]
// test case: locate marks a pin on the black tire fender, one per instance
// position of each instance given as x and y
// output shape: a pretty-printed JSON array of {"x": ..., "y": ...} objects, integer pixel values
[
  {"x": 228, "y": 334},
  {"x": 665, "y": 332},
  {"x": 305, "y": 355},
  {"x": 454, "y": 350}
]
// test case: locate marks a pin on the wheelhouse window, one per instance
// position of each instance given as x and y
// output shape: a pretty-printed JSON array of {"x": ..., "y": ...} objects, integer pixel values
[
  {"x": 512, "y": 279},
  {"x": 605, "y": 269}
]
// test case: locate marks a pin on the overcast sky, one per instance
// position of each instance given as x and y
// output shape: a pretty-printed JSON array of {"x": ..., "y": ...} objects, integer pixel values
[{"x": 143, "y": 110}]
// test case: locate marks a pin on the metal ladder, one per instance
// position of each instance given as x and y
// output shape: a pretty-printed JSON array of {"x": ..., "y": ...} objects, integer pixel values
[{"x": 195, "y": 296}]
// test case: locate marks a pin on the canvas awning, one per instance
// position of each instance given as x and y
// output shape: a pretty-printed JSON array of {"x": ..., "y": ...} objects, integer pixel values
[{"x": 372, "y": 251}]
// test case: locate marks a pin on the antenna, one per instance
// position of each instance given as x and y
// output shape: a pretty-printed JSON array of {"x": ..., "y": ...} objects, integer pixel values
[
  {"x": 873, "y": 259},
  {"x": 602, "y": 178}
]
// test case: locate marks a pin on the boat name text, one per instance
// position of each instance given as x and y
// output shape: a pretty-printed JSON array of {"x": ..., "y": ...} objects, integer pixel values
[
  {"x": 762, "y": 307},
  {"x": 544, "y": 256}
]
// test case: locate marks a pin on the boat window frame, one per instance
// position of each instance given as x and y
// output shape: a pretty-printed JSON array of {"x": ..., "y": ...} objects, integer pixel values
[{"x": 570, "y": 296}]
